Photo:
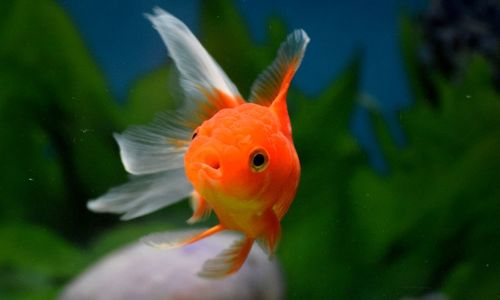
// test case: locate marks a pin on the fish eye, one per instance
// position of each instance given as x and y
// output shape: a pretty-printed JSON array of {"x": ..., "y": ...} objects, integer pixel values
[
  {"x": 195, "y": 133},
  {"x": 258, "y": 160}
]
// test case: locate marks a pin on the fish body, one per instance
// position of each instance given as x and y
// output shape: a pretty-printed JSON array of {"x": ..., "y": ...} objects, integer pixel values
[
  {"x": 221, "y": 165},
  {"x": 229, "y": 156}
]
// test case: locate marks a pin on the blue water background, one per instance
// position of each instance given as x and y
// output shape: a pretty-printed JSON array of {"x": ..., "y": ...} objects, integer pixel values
[{"x": 125, "y": 46}]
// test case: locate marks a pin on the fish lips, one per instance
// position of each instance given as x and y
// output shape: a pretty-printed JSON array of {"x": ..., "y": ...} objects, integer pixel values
[
  {"x": 204, "y": 165},
  {"x": 208, "y": 176}
]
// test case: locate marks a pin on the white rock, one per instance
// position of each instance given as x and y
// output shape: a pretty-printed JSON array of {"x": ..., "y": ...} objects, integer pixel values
[{"x": 142, "y": 272}]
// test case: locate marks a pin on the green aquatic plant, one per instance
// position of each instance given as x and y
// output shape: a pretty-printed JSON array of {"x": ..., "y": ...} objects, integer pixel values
[
  {"x": 432, "y": 223},
  {"x": 429, "y": 224},
  {"x": 56, "y": 118}
]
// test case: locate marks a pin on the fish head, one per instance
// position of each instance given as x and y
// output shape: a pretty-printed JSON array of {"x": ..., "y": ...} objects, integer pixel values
[{"x": 242, "y": 155}]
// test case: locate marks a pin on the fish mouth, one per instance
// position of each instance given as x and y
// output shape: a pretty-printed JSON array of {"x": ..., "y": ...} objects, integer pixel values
[
  {"x": 211, "y": 171},
  {"x": 208, "y": 176},
  {"x": 207, "y": 167}
]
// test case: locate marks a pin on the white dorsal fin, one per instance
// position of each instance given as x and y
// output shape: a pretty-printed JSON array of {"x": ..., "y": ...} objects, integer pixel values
[
  {"x": 144, "y": 194},
  {"x": 269, "y": 83},
  {"x": 199, "y": 72}
]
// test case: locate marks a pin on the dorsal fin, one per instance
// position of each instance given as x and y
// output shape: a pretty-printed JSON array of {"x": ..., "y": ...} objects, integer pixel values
[
  {"x": 276, "y": 78},
  {"x": 206, "y": 87}
]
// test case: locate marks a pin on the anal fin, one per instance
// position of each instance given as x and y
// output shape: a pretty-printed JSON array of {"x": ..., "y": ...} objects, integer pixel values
[{"x": 228, "y": 261}]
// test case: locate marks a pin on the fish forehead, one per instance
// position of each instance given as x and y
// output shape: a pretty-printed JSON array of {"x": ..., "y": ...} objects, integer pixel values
[{"x": 242, "y": 122}]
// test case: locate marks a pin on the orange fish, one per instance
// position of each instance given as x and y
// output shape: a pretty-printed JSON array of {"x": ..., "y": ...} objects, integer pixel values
[{"x": 234, "y": 157}]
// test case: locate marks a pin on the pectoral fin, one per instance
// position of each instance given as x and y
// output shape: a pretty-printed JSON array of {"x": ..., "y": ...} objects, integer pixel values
[
  {"x": 174, "y": 239},
  {"x": 269, "y": 240},
  {"x": 228, "y": 261},
  {"x": 201, "y": 209}
]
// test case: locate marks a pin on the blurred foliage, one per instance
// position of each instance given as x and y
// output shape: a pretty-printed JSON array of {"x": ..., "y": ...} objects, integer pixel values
[
  {"x": 429, "y": 225},
  {"x": 56, "y": 117},
  {"x": 34, "y": 261}
]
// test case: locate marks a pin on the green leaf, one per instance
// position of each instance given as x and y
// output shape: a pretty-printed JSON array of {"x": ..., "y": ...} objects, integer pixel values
[
  {"x": 37, "y": 250},
  {"x": 56, "y": 118}
]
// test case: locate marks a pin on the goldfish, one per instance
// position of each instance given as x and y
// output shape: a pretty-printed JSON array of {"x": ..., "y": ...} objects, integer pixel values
[{"x": 229, "y": 156}]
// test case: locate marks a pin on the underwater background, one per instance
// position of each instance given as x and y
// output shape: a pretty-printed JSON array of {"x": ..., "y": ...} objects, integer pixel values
[{"x": 396, "y": 119}]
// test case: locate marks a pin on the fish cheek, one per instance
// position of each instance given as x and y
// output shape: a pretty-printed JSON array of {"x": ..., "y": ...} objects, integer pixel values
[
  {"x": 235, "y": 174},
  {"x": 238, "y": 181},
  {"x": 283, "y": 160}
]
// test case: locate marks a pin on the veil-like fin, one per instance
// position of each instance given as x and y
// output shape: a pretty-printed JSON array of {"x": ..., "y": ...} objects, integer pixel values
[
  {"x": 156, "y": 147},
  {"x": 144, "y": 194},
  {"x": 154, "y": 153},
  {"x": 200, "y": 75}
]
